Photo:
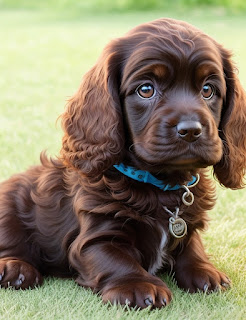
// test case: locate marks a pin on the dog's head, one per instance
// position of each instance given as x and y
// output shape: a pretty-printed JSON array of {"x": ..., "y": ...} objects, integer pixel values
[{"x": 168, "y": 93}]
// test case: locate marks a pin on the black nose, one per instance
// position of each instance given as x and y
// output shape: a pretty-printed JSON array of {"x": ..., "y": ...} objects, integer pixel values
[{"x": 190, "y": 131}]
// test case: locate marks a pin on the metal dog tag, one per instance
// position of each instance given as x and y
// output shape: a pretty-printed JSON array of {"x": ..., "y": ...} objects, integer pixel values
[{"x": 177, "y": 227}]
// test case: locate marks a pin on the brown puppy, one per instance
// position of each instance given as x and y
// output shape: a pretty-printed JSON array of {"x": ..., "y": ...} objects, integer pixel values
[{"x": 162, "y": 103}]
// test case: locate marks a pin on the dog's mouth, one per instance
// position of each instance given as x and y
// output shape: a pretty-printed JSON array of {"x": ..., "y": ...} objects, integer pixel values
[
  {"x": 186, "y": 158},
  {"x": 187, "y": 162}
]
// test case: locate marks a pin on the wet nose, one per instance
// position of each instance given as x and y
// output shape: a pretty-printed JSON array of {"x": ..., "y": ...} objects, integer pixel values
[{"x": 189, "y": 131}]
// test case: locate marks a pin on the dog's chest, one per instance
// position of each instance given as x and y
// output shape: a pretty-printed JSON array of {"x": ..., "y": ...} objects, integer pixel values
[
  {"x": 152, "y": 242},
  {"x": 152, "y": 230},
  {"x": 160, "y": 254}
]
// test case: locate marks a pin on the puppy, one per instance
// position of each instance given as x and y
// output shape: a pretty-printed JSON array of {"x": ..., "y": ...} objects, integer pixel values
[{"x": 129, "y": 192}]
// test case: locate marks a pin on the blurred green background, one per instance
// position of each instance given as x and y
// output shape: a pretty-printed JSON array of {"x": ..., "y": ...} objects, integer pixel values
[{"x": 119, "y": 5}]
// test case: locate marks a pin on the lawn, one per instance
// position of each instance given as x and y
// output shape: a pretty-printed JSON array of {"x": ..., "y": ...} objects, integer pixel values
[{"x": 43, "y": 57}]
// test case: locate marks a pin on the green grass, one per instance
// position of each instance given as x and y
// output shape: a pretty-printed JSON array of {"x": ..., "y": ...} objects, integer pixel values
[{"x": 43, "y": 57}]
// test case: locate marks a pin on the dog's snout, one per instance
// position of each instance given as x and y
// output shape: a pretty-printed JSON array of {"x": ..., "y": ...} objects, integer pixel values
[{"x": 189, "y": 131}]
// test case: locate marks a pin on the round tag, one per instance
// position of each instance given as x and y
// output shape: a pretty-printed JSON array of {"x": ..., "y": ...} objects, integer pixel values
[{"x": 177, "y": 227}]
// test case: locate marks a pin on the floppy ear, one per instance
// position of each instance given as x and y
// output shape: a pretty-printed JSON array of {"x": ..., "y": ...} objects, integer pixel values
[
  {"x": 92, "y": 122},
  {"x": 231, "y": 169}
]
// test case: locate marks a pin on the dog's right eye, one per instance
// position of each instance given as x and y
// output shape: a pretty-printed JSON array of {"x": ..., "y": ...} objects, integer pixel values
[
  {"x": 146, "y": 91},
  {"x": 207, "y": 91}
]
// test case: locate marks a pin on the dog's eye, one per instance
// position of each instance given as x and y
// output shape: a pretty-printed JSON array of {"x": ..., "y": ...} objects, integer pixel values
[
  {"x": 146, "y": 91},
  {"x": 207, "y": 91}
]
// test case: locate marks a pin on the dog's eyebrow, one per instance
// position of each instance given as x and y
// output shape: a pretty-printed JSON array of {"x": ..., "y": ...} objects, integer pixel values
[
  {"x": 211, "y": 71},
  {"x": 156, "y": 70},
  {"x": 207, "y": 67},
  {"x": 159, "y": 70}
]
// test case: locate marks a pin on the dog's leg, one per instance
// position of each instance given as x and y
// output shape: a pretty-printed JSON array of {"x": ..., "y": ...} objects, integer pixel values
[
  {"x": 18, "y": 255},
  {"x": 113, "y": 271},
  {"x": 194, "y": 271}
]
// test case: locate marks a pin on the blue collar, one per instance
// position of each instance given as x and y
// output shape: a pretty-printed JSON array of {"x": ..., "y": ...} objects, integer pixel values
[{"x": 146, "y": 177}]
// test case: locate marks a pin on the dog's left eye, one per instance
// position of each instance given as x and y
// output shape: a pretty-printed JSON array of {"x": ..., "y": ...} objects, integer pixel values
[
  {"x": 146, "y": 91},
  {"x": 207, "y": 91}
]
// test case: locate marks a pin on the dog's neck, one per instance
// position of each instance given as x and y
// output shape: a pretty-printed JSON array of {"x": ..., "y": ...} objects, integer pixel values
[{"x": 146, "y": 177}]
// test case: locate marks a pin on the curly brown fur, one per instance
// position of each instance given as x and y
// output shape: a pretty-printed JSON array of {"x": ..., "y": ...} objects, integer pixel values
[{"x": 78, "y": 216}]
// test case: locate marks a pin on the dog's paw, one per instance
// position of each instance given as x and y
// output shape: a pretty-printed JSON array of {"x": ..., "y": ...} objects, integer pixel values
[
  {"x": 18, "y": 274},
  {"x": 204, "y": 278},
  {"x": 139, "y": 294}
]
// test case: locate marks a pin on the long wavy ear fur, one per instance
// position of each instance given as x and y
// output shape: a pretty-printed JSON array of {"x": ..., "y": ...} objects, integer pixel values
[
  {"x": 231, "y": 169},
  {"x": 93, "y": 139}
]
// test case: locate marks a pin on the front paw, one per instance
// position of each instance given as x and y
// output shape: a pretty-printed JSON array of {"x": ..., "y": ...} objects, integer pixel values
[
  {"x": 141, "y": 294},
  {"x": 204, "y": 277},
  {"x": 18, "y": 274}
]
